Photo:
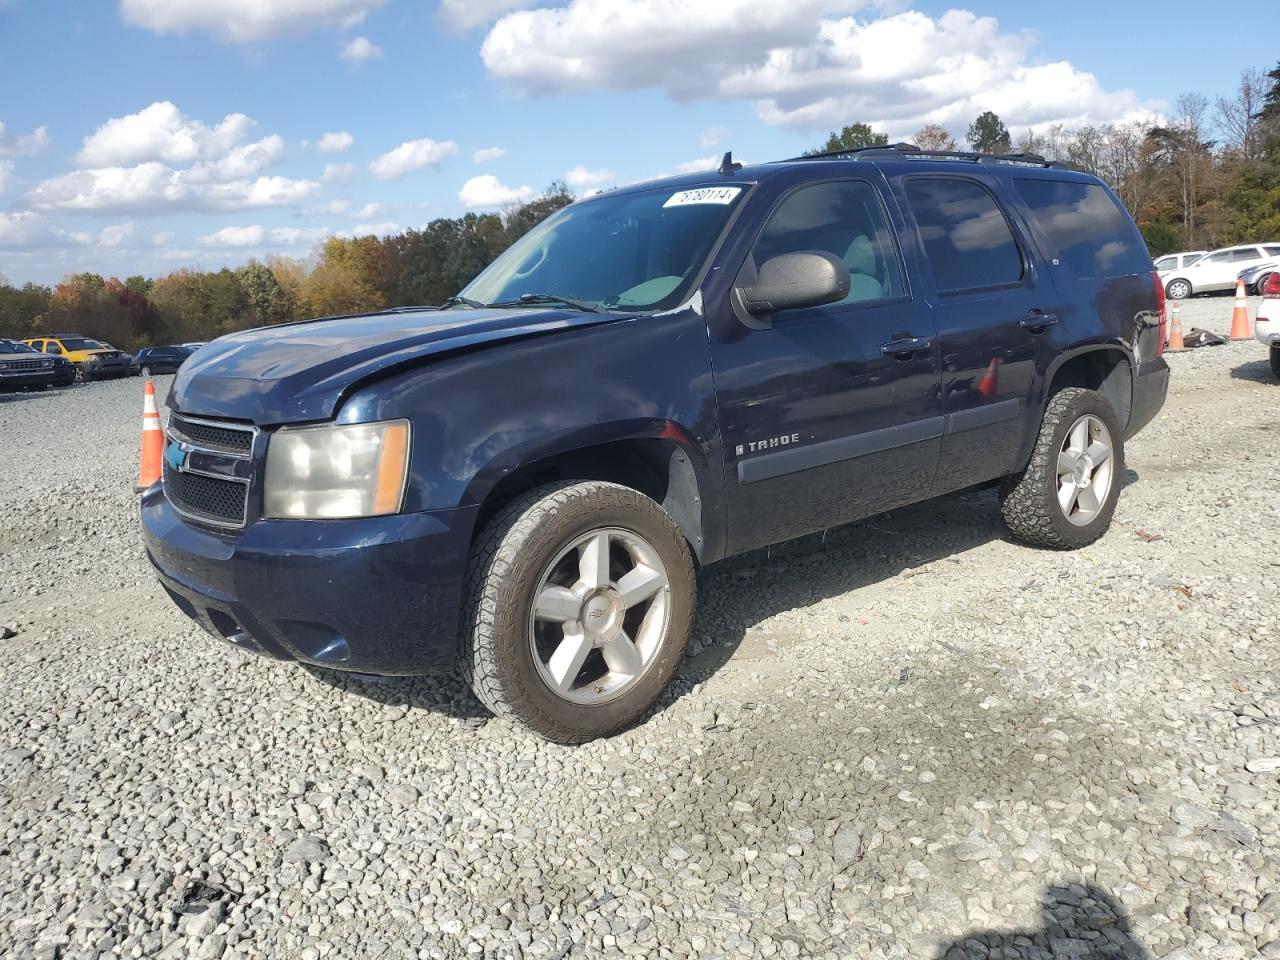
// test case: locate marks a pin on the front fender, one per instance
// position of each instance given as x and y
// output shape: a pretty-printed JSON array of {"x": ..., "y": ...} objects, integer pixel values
[{"x": 479, "y": 417}]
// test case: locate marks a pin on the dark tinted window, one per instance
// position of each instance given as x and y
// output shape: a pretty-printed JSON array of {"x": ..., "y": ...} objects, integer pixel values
[
  {"x": 1271, "y": 251},
  {"x": 52, "y": 347},
  {"x": 965, "y": 234},
  {"x": 843, "y": 218},
  {"x": 1094, "y": 237},
  {"x": 1244, "y": 253}
]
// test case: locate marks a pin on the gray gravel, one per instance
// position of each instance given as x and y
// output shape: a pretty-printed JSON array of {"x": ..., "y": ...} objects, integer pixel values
[{"x": 909, "y": 738}]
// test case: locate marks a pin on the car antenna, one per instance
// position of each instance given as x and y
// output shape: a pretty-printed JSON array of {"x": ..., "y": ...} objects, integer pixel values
[{"x": 728, "y": 167}]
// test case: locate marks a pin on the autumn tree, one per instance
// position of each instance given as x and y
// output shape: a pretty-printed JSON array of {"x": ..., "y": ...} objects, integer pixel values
[
  {"x": 934, "y": 137},
  {"x": 988, "y": 134}
]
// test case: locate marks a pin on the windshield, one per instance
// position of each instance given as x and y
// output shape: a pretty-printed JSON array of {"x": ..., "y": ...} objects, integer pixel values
[
  {"x": 13, "y": 346},
  {"x": 80, "y": 343},
  {"x": 631, "y": 251}
]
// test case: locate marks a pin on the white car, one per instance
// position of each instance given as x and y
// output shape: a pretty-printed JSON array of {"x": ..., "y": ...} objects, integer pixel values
[
  {"x": 1217, "y": 270},
  {"x": 1171, "y": 262},
  {"x": 1266, "y": 326}
]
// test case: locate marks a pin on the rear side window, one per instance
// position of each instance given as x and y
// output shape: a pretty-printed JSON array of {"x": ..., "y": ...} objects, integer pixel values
[
  {"x": 965, "y": 234},
  {"x": 1271, "y": 251},
  {"x": 1245, "y": 253},
  {"x": 843, "y": 218},
  {"x": 1167, "y": 263},
  {"x": 1094, "y": 237}
]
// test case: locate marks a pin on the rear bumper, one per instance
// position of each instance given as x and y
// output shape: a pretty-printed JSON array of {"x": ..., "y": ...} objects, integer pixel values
[
  {"x": 373, "y": 596},
  {"x": 1266, "y": 327},
  {"x": 1150, "y": 387}
]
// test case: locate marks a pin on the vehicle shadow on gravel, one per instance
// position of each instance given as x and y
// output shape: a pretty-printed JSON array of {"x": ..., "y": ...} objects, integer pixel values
[
  {"x": 446, "y": 694},
  {"x": 1257, "y": 371},
  {"x": 737, "y": 595},
  {"x": 1080, "y": 922}
]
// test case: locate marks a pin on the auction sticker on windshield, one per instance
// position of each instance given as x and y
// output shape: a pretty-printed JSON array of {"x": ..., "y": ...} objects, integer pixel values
[{"x": 720, "y": 195}]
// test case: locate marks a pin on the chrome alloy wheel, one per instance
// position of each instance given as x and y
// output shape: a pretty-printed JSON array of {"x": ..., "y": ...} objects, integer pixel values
[
  {"x": 600, "y": 615},
  {"x": 1085, "y": 471}
]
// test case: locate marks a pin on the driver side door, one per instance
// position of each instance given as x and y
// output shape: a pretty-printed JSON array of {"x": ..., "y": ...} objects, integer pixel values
[{"x": 828, "y": 413}]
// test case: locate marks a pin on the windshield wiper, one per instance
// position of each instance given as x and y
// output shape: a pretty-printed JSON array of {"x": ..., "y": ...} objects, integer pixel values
[
  {"x": 456, "y": 301},
  {"x": 527, "y": 298}
]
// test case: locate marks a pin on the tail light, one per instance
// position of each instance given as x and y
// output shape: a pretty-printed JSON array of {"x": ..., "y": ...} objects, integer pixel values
[
  {"x": 1272, "y": 290},
  {"x": 1162, "y": 310}
]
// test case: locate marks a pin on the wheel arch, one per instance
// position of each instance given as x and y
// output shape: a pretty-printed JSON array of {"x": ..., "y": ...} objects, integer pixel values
[
  {"x": 1107, "y": 368},
  {"x": 660, "y": 460}
]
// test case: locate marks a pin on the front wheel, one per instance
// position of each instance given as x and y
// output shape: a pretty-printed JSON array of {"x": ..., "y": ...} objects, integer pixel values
[
  {"x": 579, "y": 605},
  {"x": 1065, "y": 497},
  {"x": 1178, "y": 289}
]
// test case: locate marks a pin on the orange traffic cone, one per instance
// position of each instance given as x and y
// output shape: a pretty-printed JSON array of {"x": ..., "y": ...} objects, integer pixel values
[
  {"x": 1175, "y": 331},
  {"x": 152, "y": 440},
  {"x": 990, "y": 381},
  {"x": 1240, "y": 329}
]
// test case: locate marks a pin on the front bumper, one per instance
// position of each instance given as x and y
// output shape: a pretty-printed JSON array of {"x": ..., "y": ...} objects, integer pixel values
[
  {"x": 106, "y": 371},
  {"x": 379, "y": 595},
  {"x": 34, "y": 378},
  {"x": 1150, "y": 387}
]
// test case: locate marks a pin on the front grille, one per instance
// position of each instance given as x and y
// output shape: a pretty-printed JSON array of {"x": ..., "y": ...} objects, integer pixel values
[
  {"x": 29, "y": 364},
  {"x": 237, "y": 441},
  {"x": 211, "y": 499}
]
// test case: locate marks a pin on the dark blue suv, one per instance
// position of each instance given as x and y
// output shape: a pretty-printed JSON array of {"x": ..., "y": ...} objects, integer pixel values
[{"x": 523, "y": 481}]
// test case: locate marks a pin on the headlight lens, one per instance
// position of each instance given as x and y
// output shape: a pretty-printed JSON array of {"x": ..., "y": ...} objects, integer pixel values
[{"x": 336, "y": 471}]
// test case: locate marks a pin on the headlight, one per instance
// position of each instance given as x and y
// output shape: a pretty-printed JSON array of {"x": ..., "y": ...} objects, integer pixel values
[{"x": 335, "y": 471}]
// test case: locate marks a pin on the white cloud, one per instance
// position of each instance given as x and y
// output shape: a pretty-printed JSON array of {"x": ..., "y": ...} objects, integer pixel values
[
  {"x": 712, "y": 137},
  {"x": 6, "y": 173},
  {"x": 375, "y": 229},
  {"x": 155, "y": 186},
  {"x": 800, "y": 67},
  {"x": 411, "y": 155},
  {"x": 465, "y": 14},
  {"x": 360, "y": 49},
  {"x": 23, "y": 144},
  {"x": 337, "y": 172},
  {"x": 335, "y": 142},
  {"x": 247, "y": 161},
  {"x": 116, "y": 234},
  {"x": 487, "y": 191},
  {"x": 162, "y": 238},
  {"x": 244, "y": 21},
  {"x": 488, "y": 154},
  {"x": 697, "y": 166},
  {"x": 161, "y": 132},
  {"x": 580, "y": 177},
  {"x": 340, "y": 205},
  {"x": 298, "y": 236},
  {"x": 21, "y": 229},
  {"x": 368, "y": 211},
  {"x": 250, "y": 236}
]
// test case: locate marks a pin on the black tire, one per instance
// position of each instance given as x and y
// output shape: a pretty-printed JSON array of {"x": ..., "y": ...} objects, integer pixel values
[
  {"x": 82, "y": 375},
  {"x": 1275, "y": 361},
  {"x": 1175, "y": 285},
  {"x": 1261, "y": 284},
  {"x": 1029, "y": 501},
  {"x": 508, "y": 559}
]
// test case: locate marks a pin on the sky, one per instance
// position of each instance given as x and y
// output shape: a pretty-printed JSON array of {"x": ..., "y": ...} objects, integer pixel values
[{"x": 141, "y": 136}]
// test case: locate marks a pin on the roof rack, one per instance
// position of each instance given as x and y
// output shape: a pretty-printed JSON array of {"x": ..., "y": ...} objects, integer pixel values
[{"x": 909, "y": 151}]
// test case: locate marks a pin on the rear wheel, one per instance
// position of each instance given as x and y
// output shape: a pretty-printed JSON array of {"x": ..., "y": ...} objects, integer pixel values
[
  {"x": 1065, "y": 497},
  {"x": 1275, "y": 360},
  {"x": 579, "y": 604},
  {"x": 1178, "y": 289},
  {"x": 1261, "y": 284}
]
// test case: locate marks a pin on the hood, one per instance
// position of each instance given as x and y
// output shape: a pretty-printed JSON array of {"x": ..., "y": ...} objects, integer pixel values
[{"x": 301, "y": 371}]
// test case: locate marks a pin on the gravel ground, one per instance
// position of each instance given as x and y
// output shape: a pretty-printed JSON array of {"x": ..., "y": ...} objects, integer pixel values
[{"x": 910, "y": 738}]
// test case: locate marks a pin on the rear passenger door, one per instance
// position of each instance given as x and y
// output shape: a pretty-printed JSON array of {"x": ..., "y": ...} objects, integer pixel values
[
  {"x": 997, "y": 320},
  {"x": 827, "y": 413}
]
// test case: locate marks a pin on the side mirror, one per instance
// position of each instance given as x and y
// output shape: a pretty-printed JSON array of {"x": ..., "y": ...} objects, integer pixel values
[{"x": 792, "y": 280}]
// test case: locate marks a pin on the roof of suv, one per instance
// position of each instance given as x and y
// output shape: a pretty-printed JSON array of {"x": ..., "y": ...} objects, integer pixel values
[{"x": 894, "y": 158}]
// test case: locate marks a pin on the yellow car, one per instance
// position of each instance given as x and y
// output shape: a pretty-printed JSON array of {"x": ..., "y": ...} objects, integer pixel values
[{"x": 91, "y": 359}]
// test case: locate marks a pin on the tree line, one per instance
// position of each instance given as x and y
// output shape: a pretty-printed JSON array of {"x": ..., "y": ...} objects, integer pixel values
[
  {"x": 348, "y": 275},
  {"x": 1207, "y": 176}
]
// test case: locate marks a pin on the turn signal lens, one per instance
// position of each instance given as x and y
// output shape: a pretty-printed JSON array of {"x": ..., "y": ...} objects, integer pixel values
[{"x": 337, "y": 470}]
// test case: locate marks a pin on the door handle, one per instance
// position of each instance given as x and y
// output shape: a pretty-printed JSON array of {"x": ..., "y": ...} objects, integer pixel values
[
  {"x": 1037, "y": 321},
  {"x": 904, "y": 348}
]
